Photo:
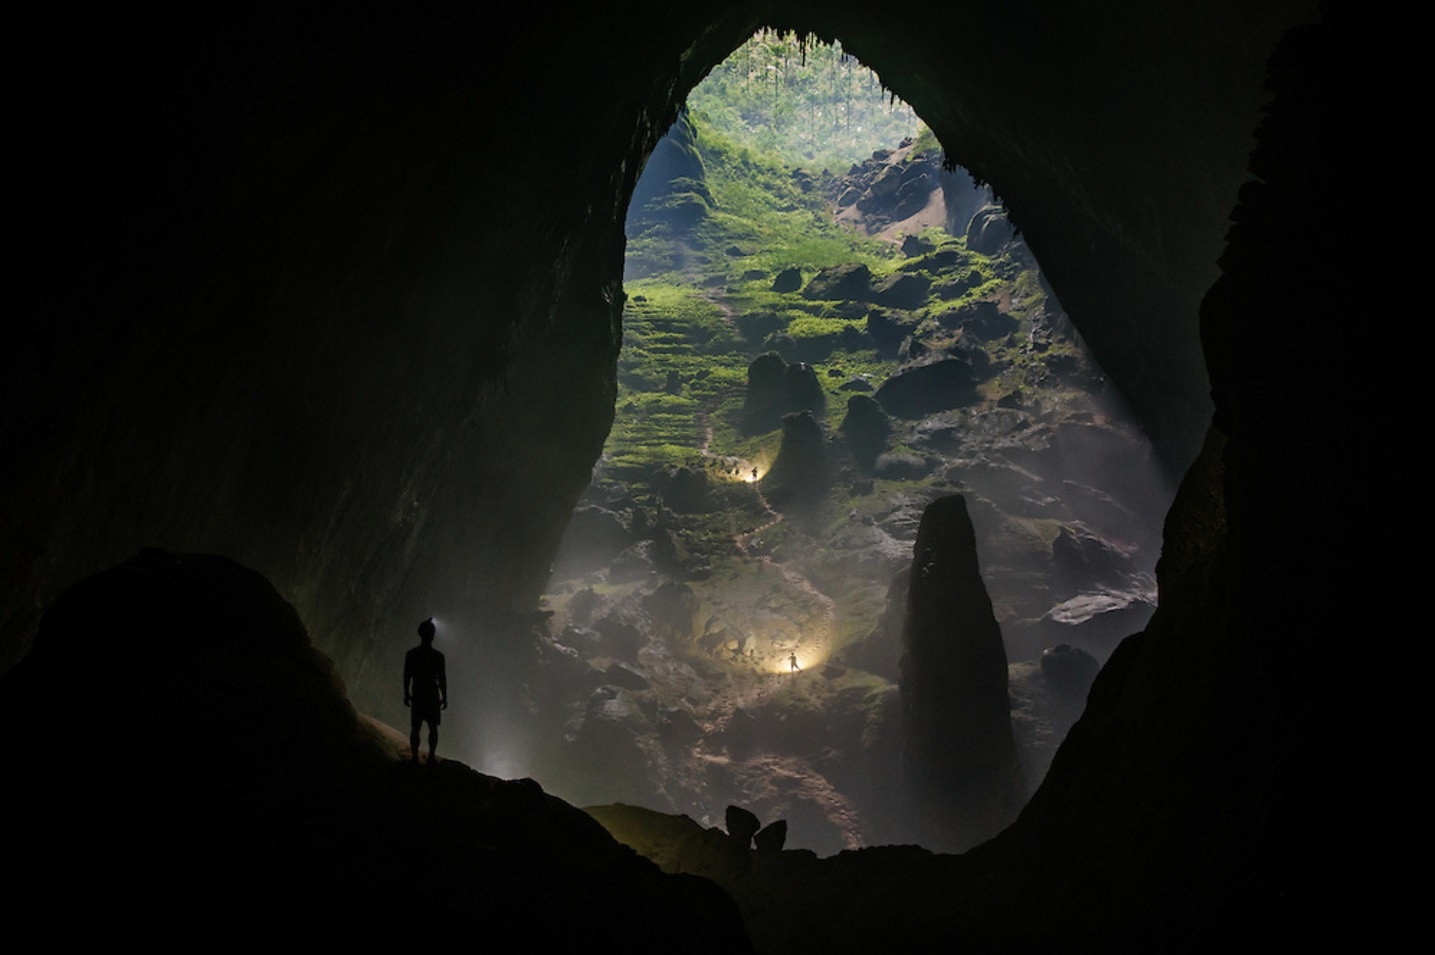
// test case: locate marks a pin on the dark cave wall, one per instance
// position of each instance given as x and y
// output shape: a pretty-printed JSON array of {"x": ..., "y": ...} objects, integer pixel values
[
  {"x": 1117, "y": 135},
  {"x": 1241, "y": 724},
  {"x": 338, "y": 297}
]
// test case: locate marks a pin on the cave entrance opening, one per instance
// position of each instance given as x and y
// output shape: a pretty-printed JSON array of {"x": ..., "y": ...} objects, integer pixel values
[{"x": 825, "y": 330}]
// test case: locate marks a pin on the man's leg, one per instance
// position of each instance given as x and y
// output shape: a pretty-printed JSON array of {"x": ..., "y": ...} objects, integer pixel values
[
  {"x": 433, "y": 739},
  {"x": 414, "y": 722}
]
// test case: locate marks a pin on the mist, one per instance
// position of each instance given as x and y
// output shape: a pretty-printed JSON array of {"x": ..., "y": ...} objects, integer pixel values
[{"x": 709, "y": 637}]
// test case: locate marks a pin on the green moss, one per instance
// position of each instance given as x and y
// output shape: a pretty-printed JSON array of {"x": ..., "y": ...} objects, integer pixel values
[
  {"x": 808, "y": 326},
  {"x": 691, "y": 329},
  {"x": 758, "y": 204},
  {"x": 807, "y": 100}
]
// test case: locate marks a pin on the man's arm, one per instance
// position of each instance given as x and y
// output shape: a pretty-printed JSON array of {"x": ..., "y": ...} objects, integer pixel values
[
  {"x": 442, "y": 683},
  {"x": 408, "y": 679}
]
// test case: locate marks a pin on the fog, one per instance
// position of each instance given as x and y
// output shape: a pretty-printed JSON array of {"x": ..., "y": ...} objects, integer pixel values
[{"x": 660, "y": 670}]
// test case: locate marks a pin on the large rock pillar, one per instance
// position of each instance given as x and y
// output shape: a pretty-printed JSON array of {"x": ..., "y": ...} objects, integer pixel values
[{"x": 959, "y": 755}]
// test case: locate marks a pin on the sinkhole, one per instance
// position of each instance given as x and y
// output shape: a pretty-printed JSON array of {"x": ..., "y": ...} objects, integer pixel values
[{"x": 827, "y": 329}]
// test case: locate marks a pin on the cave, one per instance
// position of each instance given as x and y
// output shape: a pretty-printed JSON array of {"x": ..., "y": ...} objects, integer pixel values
[{"x": 337, "y": 297}]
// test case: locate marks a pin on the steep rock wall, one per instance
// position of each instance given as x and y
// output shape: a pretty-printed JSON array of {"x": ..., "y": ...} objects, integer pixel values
[
  {"x": 959, "y": 755},
  {"x": 338, "y": 297}
]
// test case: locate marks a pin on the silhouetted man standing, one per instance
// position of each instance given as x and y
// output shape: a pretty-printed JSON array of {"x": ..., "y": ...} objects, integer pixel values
[{"x": 425, "y": 688}]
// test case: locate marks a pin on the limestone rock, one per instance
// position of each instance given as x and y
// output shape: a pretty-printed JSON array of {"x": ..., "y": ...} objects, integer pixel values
[
  {"x": 914, "y": 245},
  {"x": 756, "y": 326},
  {"x": 1101, "y": 618},
  {"x": 852, "y": 282},
  {"x": 742, "y": 825},
  {"x": 888, "y": 328},
  {"x": 684, "y": 489},
  {"x": 959, "y": 756},
  {"x": 920, "y": 390},
  {"x": 983, "y": 319},
  {"x": 771, "y": 837},
  {"x": 988, "y": 230},
  {"x": 1067, "y": 669},
  {"x": 803, "y": 470},
  {"x": 1083, "y": 561},
  {"x": 856, "y": 383},
  {"x": 788, "y": 280},
  {"x": 671, "y": 607},
  {"x": 866, "y": 428},
  {"x": 595, "y": 535},
  {"x": 776, "y": 388},
  {"x": 900, "y": 466},
  {"x": 622, "y": 631},
  {"x": 902, "y": 290},
  {"x": 676, "y": 192},
  {"x": 259, "y": 799}
]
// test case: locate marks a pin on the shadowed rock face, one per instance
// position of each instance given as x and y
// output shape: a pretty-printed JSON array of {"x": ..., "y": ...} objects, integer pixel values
[
  {"x": 319, "y": 316},
  {"x": 677, "y": 193},
  {"x": 959, "y": 755},
  {"x": 285, "y": 295},
  {"x": 775, "y": 389},
  {"x": 235, "y": 786},
  {"x": 802, "y": 471},
  {"x": 866, "y": 428},
  {"x": 923, "y": 389}
]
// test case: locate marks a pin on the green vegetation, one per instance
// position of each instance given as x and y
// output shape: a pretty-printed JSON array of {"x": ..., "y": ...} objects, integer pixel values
[
  {"x": 706, "y": 307},
  {"x": 760, "y": 208},
  {"x": 808, "y": 102},
  {"x": 745, "y": 241},
  {"x": 704, "y": 300}
]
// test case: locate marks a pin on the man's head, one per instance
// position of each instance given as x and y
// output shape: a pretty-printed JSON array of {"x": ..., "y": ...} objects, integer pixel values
[{"x": 426, "y": 630}]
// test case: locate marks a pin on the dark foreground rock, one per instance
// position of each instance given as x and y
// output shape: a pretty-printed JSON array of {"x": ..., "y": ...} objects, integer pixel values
[
  {"x": 233, "y": 775},
  {"x": 800, "y": 475},
  {"x": 926, "y": 388},
  {"x": 851, "y": 282},
  {"x": 867, "y": 429},
  {"x": 776, "y": 388},
  {"x": 959, "y": 755}
]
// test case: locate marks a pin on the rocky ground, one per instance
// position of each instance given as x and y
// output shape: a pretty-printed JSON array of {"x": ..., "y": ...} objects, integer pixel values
[
  {"x": 726, "y": 629},
  {"x": 234, "y": 787}
]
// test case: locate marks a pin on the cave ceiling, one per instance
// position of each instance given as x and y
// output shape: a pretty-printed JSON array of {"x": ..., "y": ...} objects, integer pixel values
[
  {"x": 310, "y": 290},
  {"x": 339, "y": 296}
]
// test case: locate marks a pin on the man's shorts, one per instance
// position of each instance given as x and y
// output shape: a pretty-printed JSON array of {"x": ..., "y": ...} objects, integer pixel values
[{"x": 425, "y": 711}]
